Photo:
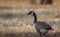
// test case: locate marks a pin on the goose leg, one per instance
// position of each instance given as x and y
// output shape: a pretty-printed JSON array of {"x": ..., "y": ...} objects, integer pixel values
[
  {"x": 38, "y": 31},
  {"x": 40, "y": 34}
]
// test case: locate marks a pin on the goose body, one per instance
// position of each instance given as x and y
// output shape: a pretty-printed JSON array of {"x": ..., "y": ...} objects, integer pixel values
[{"x": 41, "y": 27}]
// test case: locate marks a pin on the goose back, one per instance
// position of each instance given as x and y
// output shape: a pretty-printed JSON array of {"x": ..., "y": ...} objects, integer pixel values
[{"x": 43, "y": 25}]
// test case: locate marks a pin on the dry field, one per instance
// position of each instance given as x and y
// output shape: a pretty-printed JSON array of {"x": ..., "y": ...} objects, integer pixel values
[{"x": 21, "y": 25}]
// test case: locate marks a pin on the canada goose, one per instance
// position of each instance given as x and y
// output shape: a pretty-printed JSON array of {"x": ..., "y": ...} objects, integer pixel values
[{"x": 41, "y": 27}]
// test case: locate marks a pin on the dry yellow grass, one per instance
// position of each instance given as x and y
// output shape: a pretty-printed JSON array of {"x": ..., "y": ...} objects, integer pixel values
[{"x": 22, "y": 25}]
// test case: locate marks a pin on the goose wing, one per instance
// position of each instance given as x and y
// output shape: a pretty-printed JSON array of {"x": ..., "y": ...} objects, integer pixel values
[{"x": 43, "y": 25}]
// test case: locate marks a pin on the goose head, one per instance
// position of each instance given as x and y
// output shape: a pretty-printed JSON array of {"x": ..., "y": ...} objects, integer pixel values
[{"x": 31, "y": 13}]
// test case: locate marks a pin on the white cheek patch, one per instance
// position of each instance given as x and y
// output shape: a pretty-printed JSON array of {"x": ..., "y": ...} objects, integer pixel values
[{"x": 32, "y": 13}]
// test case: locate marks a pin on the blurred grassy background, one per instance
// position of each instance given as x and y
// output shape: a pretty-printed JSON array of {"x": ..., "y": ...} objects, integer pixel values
[{"x": 21, "y": 25}]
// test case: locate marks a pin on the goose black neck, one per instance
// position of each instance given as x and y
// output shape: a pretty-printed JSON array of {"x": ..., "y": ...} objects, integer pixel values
[{"x": 35, "y": 17}]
